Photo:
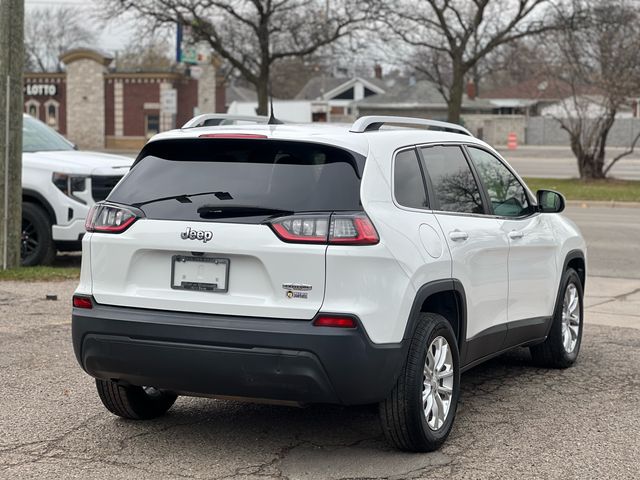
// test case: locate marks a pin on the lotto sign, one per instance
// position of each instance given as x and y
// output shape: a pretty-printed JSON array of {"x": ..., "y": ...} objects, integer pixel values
[{"x": 41, "y": 89}]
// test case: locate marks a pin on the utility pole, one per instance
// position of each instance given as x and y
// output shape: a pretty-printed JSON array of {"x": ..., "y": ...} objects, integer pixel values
[{"x": 11, "y": 106}]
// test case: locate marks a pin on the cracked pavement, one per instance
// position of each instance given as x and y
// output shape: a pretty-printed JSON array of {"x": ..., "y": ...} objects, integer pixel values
[{"x": 514, "y": 419}]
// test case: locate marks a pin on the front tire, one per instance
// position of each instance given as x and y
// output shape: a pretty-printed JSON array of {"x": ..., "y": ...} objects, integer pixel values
[
  {"x": 134, "y": 403},
  {"x": 561, "y": 348},
  {"x": 36, "y": 246},
  {"x": 419, "y": 413}
]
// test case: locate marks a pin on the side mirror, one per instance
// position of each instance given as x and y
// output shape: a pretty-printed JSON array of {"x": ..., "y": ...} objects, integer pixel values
[{"x": 550, "y": 201}]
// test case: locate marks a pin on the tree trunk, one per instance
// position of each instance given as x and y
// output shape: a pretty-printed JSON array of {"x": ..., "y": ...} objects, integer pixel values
[
  {"x": 589, "y": 149},
  {"x": 262, "y": 89},
  {"x": 455, "y": 93},
  {"x": 592, "y": 166},
  {"x": 11, "y": 66}
]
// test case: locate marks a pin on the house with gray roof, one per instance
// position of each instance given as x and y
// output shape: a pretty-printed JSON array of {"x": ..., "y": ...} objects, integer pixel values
[{"x": 418, "y": 99}]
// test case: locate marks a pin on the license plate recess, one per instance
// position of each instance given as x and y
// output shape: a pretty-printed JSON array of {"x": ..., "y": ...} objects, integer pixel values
[{"x": 202, "y": 274}]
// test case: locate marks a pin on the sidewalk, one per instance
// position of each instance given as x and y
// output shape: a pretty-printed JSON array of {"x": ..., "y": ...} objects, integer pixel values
[{"x": 614, "y": 302}]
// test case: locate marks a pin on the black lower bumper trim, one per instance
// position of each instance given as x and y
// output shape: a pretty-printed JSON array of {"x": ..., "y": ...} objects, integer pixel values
[{"x": 289, "y": 360}]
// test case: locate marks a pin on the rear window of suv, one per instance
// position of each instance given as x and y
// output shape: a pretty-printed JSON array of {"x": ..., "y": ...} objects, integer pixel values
[{"x": 240, "y": 180}]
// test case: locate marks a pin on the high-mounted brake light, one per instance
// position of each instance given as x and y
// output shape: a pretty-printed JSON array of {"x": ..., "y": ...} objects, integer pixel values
[
  {"x": 336, "y": 229},
  {"x": 107, "y": 218},
  {"x": 82, "y": 301},
  {"x": 338, "y": 321},
  {"x": 233, "y": 135}
]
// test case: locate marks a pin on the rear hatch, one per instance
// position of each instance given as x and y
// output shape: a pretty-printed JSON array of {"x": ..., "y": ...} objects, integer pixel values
[{"x": 205, "y": 240}]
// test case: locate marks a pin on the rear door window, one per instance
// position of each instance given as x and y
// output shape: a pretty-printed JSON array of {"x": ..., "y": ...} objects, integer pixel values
[
  {"x": 408, "y": 182},
  {"x": 454, "y": 185},
  {"x": 241, "y": 181}
]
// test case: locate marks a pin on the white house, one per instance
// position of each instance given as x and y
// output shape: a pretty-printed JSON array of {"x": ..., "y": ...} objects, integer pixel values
[
  {"x": 332, "y": 99},
  {"x": 298, "y": 111},
  {"x": 582, "y": 106}
]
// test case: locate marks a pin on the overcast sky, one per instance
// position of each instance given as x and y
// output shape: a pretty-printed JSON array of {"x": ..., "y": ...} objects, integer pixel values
[{"x": 112, "y": 38}]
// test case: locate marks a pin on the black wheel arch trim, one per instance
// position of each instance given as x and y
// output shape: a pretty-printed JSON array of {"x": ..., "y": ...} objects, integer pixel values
[
  {"x": 432, "y": 288},
  {"x": 39, "y": 199},
  {"x": 572, "y": 255}
]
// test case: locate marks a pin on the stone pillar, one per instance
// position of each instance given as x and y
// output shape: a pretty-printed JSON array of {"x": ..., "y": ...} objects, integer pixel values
[
  {"x": 207, "y": 89},
  {"x": 118, "y": 107},
  {"x": 85, "y": 97},
  {"x": 166, "y": 118}
]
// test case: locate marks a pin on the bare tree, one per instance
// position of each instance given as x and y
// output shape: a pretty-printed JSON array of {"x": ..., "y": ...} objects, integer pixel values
[
  {"x": 290, "y": 75},
  {"x": 49, "y": 32},
  {"x": 152, "y": 54},
  {"x": 453, "y": 36},
  {"x": 510, "y": 64},
  {"x": 252, "y": 35},
  {"x": 596, "y": 53}
]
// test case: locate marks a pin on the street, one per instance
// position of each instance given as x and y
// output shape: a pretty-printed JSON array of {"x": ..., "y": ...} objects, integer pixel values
[
  {"x": 514, "y": 419},
  {"x": 559, "y": 162},
  {"x": 613, "y": 239}
]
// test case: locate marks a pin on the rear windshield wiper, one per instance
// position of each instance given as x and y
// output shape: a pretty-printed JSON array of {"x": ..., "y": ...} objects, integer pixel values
[
  {"x": 222, "y": 211},
  {"x": 185, "y": 198}
]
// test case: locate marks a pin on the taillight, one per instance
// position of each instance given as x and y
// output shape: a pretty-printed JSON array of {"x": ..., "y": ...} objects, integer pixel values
[
  {"x": 352, "y": 230},
  {"x": 106, "y": 218},
  {"x": 336, "y": 229},
  {"x": 339, "y": 321},
  {"x": 302, "y": 228},
  {"x": 82, "y": 301}
]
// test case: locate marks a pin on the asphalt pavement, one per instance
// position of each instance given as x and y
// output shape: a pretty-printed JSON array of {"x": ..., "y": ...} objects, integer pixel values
[
  {"x": 514, "y": 419},
  {"x": 613, "y": 238}
]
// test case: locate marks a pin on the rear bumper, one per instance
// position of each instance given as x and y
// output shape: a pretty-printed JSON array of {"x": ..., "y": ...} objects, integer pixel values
[{"x": 234, "y": 356}]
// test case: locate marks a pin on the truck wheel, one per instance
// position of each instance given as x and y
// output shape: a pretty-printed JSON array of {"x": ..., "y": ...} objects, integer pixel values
[
  {"x": 37, "y": 246},
  {"x": 419, "y": 413},
  {"x": 560, "y": 349},
  {"x": 134, "y": 403}
]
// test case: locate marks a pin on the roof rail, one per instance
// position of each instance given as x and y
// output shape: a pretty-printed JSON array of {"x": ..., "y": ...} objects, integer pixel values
[
  {"x": 369, "y": 123},
  {"x": 215, "y": 119}
]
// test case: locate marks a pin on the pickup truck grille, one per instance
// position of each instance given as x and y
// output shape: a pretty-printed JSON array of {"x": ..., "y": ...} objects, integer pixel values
[{"x": 101, "y": 186}]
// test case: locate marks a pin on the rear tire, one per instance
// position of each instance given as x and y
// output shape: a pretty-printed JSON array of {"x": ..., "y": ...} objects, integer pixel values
[
  {"x": 134, "y": 403},
  {"x": 561, "y": 348},
  {"x": 37, "y": 246},
  {"x": 407, "y": 416}
]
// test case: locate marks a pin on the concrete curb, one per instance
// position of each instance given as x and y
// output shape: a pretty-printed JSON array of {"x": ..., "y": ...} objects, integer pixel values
[{"x": 600, "y": 203}]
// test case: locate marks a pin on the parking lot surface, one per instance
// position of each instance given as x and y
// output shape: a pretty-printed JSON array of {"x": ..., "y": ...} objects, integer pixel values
[{"x": 514, "y": 419}]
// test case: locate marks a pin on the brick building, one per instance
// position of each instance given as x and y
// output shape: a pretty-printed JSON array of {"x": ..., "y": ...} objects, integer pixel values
[{"x": 97, "y": 108}]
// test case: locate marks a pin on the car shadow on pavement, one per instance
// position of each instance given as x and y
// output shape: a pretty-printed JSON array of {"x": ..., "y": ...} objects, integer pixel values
[{"x": 258, "y": 438}]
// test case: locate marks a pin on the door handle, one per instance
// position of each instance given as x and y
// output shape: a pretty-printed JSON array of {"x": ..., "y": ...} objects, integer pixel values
[
  {"x": 516, "y": 234},
  {"x": 458, "y": 236}
]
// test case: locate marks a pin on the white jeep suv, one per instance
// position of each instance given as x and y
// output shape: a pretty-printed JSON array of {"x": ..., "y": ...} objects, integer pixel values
[
  {"x": 323, "y": 263},
  {"x": 59, "y": 186}
]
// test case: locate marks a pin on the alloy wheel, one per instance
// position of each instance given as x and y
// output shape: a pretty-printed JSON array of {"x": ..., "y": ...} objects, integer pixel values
[
  {"x": 570, "y": 318},
  {"x": 437, "y": 383}
]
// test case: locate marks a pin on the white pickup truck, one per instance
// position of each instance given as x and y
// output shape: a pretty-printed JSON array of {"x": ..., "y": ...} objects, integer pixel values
[{"x": 59, "y": 186}]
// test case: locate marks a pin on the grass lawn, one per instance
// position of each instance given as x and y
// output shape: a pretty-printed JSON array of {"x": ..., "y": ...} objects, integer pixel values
[
  {"x": 41, "y": 274},
  {"x": 598, "y": 190}
]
